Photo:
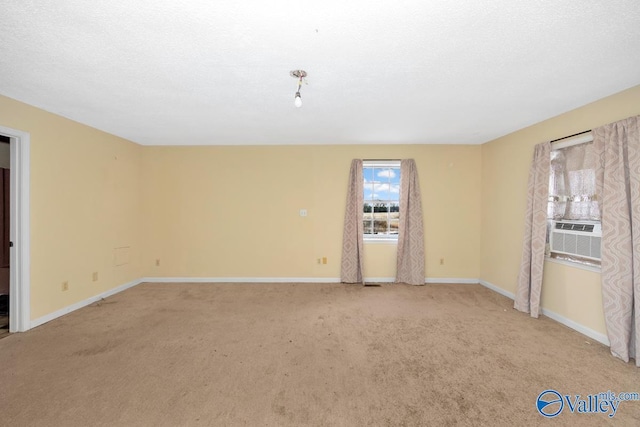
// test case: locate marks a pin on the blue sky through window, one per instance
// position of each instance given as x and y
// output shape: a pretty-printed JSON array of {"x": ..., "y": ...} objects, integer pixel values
[{"x": 381, "y": 184}]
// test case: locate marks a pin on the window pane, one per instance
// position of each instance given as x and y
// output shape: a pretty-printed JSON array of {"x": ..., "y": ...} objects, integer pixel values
[
  {"x": 380, "y": 225},
  {"x": 368, "y": 227},
  {"x": 386, "y": 174},
  {"x": 380, "y": 207},
  {"x": 393, "y": 226},
  {"x": 368, "y": 188},
  {"x": 368, "y": 219},
  {"x": 368, "y": 176},
  {"x": 382, "y": 191},
  {"x": 394, "y": 186},
  {"x": 572, "y": 189}
]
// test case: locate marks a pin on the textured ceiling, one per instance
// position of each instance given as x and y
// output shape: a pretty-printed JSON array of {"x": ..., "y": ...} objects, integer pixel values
[{"x": 380, "y": 71}]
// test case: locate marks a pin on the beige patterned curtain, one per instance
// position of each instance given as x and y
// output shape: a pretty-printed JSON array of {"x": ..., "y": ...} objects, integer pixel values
[
  {"x": 529, "y": 285},
  {"x": 410, "y": 261},
  {"x": 618, "y": 187},
  {"x": 351, "y": 270}
]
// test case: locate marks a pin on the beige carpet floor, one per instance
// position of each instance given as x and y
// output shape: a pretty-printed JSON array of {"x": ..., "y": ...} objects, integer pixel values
[{"x": 303, "y": 354}]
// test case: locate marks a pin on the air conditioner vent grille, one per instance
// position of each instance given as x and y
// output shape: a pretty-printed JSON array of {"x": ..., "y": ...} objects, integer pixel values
[
  {"x": 578, "y": 239},
  {"x": 574, "y": 227}
]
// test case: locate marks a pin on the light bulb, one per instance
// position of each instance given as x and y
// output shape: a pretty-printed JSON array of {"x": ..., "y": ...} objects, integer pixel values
[{"x": 298, "y": 100}]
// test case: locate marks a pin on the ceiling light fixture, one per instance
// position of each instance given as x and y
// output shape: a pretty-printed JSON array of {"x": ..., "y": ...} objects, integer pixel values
[{"x": 298, "y": 74}]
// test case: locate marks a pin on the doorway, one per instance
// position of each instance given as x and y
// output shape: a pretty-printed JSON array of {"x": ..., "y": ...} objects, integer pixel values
[
  {"x": 14, "y": 234},
  {"x": 5, "y": 241}
]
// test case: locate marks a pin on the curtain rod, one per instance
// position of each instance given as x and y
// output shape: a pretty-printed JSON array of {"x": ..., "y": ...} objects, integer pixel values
[
  {"x": 381, "y": 160},
  {"x": 570, "y": 136}
]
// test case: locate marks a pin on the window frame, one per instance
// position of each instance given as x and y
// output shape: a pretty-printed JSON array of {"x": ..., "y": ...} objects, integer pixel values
[
  {"x": 556, "y": 257},
  {"x": 381, "y": 164}
]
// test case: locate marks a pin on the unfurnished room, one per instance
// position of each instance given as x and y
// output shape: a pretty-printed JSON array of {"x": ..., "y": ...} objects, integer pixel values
[{"x": 279, "y": 213}]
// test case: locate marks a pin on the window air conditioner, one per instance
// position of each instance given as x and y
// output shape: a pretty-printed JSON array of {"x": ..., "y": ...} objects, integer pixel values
[{"x": 578, "y": 238}]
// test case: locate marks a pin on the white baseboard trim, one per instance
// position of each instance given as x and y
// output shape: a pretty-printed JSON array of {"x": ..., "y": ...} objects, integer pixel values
[
  {"x": 73, "y": 307},
  {"x": 240, "y": 280},
  {"x": 497, "y": 289},
  {"x": 451, "y": 280},
  {"x": 379, "y": 279},
  {"x": 595, "y": 335},
  {"x": 291, "y": 280}
]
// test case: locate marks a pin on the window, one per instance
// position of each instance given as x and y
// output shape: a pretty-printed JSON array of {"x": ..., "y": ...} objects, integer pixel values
[
  {"x": 572, "y": 184},
  {"x": 573, "y": 212},
  {"x": 381, "y": 199}
]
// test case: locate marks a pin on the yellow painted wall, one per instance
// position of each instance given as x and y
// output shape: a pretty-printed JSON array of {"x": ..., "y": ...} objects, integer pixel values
[
  {"x": 568, "y": 291},
  {"x": 223, "y": 211},
  {"x": 85, "y": 201}
]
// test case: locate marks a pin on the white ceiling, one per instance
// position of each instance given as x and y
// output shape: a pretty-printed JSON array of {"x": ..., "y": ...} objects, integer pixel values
[{"x": 169, "y": 72}]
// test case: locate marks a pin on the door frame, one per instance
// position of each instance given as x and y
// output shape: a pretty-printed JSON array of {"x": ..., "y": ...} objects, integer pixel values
[{"x": 20, "y": 260}]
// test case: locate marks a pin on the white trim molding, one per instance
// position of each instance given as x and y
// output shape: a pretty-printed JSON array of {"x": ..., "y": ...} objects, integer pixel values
[
  {"x": 581, "y": 266},
  {"x": 582, "y": 138},
  {"x": 380, "y": 241},
  {"x": 379, "y": 280},
  {"x": 497, "y": 289},
  {"x": 19, "y": 272},
  {"x": 73, "y": 307},
  {"x": 447, "y": 280},
  {"x": 595, "y": 335},
  {"x": 293, "y": 280},
  {"x": 240, "y": 280}
]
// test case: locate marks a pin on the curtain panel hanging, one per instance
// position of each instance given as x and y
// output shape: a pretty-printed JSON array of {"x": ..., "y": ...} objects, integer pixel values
[
  {"x": 351, "y": 269},
  {"x": 410, "y": 255},
  {"x": 618, "y": 189},
  {"x": 527, "y": 298}
]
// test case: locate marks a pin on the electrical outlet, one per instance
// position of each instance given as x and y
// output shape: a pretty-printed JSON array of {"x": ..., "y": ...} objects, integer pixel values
[
  {"x": 158, "y": 262},
  {"x": 95, "y": 276},
  {"x": 65, "y": 286},
  {"x": 441, "y": 261},
  {"x": 324, "y": 259}
]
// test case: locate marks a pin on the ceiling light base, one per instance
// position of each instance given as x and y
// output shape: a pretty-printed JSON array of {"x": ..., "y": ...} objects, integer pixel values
[{"x": 298, "y": 74}]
